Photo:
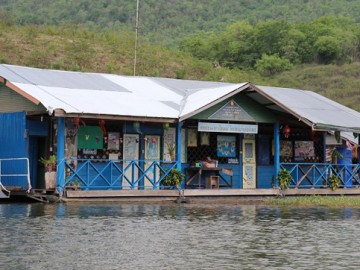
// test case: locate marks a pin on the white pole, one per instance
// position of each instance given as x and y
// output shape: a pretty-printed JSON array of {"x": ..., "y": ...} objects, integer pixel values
[{"x": 136, "y": 33}]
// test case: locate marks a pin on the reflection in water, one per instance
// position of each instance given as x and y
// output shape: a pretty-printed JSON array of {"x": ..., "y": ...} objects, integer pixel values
[{"x": 171, "y": 236}]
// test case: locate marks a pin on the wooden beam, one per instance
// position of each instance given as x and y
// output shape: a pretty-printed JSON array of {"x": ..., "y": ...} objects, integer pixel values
[
  {"x": 22, "y": 93},
  {"x": 114, "y": 117}
]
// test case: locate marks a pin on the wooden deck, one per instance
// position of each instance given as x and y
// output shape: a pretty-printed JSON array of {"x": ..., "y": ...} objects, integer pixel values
[{"x": 193, "y": 194}]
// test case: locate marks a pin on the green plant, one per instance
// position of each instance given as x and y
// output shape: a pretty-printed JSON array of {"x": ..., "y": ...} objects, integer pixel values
[
  {"x": 75, "y": 184},
  {"x": 173, "y": 178},
  {"x": 334, "y": 181},
  {"x": 51, "y": 161},
  {"x": 284, "y": 178},
  {"x": 335, "y": 155}
]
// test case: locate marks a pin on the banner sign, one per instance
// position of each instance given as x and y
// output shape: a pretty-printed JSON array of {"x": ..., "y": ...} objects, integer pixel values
[{"x": 227, "y": 128}]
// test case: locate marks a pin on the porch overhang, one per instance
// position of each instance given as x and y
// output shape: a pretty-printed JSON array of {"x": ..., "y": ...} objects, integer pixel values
[
  {"x": 62, "y": 113},
  {"x": 328, "y": 127}
]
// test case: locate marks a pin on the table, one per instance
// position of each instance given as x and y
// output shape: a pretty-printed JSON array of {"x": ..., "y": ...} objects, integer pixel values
[{"x": 195, "y": 173}]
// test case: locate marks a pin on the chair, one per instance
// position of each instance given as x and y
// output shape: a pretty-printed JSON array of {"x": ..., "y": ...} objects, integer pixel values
[{"x": 211, "y": 181}]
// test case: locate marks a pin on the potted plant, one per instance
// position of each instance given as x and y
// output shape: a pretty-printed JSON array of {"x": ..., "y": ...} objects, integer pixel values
[
  {"x": 173, "y": 179},
  {"x": 334, "y": 181},
  {"x": 284, "y": 178},
  {"x": 50, "y": 163},
  {"x": 50, "y": 174}
]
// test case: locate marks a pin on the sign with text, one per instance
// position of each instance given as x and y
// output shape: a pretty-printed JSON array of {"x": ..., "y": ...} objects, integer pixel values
[
  {"x": 231, "y": 111},
  {"x": 227, "y": 128}
]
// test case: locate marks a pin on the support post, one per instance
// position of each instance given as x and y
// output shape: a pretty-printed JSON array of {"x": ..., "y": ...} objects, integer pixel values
[
  {"x": 60, "y": 154},
  {"x": 276, "y": 151},
  {"x": 178, "y": 146},
  {"x": 324, "y": 146},
  {"x": 178, "y": 150}
]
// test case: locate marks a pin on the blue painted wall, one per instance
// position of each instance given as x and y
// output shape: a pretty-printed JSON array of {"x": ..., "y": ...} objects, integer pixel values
[
  {"x": 13, "y": 144},
  {"x": 264, "y": 176},
  {"x": 37, "y": 128}
]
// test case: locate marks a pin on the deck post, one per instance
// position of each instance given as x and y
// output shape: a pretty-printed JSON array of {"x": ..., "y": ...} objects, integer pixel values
[
  {"x": 178, "y": 148},
  {"x": 276, "y": 151},
  {"x": 60, "y": 174},
  {"x": 324, "y": 146}
]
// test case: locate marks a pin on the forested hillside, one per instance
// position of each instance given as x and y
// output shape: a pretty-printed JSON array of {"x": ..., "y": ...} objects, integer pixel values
[
  {"x": 268, "y": 42},
  {"x": 168, "y": 21},
  {"x": 277, "y": 45}
]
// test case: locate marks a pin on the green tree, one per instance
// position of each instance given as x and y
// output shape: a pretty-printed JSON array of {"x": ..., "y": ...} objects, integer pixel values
[
  {"x": 328, "y": 49},
  {"x": 271, "y": 64}
]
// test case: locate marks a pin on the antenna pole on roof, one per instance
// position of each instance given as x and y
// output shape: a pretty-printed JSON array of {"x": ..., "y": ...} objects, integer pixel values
[{"x": 136, "y": 33}]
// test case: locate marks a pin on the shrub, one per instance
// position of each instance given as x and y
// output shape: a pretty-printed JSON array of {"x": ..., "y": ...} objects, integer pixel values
[{"x": 284, "y": 178}]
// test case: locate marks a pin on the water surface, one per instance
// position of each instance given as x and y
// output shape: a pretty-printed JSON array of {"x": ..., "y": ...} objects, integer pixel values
[{"x": 172, "y": 236}]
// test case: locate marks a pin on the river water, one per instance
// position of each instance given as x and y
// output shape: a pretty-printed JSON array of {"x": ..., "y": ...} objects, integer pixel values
[{"x": 173, "y": 236}]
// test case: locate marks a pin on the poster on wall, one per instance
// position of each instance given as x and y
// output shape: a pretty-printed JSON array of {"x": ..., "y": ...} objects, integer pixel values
[
  {"x": 152, "y": 147},
  {"x": 304, "y": 150},
  {"x": 226, "y": 146},
  {"x": 169, "y": 144},
  {"x": 131, "y": 151},
  {"x": 90, "y": 137},
  {"x": 286, "y": 148},
  {"x": 114, "y": 141},
  {"x": 192, "y": 137}
]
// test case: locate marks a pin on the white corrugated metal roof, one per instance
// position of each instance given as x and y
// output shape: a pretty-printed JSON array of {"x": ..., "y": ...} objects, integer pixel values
[
  {"x": 312, "y": 107},
  {"x": 108, "y": 94},
  {"x": 114, "y": 95}
]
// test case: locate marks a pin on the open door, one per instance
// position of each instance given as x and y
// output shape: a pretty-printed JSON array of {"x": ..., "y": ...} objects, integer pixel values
[{"x": 249, "y": 163}]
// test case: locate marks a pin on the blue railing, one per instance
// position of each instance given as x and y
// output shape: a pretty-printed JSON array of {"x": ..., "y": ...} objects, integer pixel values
[
  {"x": 116, "y": 174},
  {"x": 316, "y": 175}
]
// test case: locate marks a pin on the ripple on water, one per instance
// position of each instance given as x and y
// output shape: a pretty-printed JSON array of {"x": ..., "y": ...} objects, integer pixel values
[{"x": 172, "y": 236}]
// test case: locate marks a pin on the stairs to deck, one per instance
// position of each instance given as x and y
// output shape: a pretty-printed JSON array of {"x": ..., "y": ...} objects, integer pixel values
[{"x": 44, "y": 196}]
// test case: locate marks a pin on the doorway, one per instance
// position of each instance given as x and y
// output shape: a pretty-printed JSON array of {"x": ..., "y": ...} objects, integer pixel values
[{"x": 37, "y": 149}]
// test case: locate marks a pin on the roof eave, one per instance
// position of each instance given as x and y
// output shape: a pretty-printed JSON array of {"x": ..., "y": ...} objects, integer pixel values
[
  {"x": 62, "y": 113},
  {"x": 19, "y": 91},
  {"x": 327, "y": 127}
]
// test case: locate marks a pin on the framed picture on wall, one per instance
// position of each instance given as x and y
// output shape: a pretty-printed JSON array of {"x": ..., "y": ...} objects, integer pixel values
[
  {"x": 304, "y": 150},
  {"x": 286, "y": 149},
  {"x": 113, "y": 141},
  {"x": 152, "y": 147},
  {"x": 169, "y": 144},
  {"x": 192, "y": 137},
  {"x": 226, "y": 146}
]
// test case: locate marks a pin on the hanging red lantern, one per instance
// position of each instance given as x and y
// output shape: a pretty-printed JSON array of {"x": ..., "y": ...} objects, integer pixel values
[
  {"x": 153, "y": 140},
  {"x": 286, "y": 131}
]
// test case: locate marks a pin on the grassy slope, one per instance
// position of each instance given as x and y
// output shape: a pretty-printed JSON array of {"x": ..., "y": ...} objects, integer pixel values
[{"x": 74, "y": 48}]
